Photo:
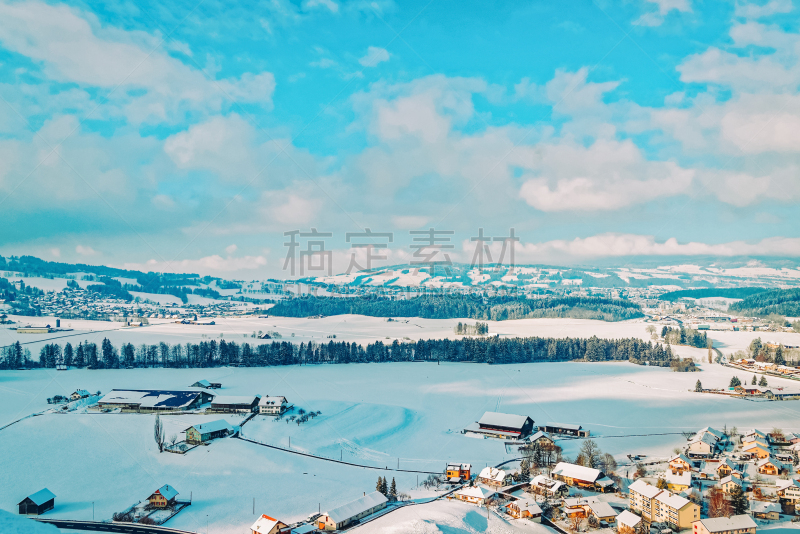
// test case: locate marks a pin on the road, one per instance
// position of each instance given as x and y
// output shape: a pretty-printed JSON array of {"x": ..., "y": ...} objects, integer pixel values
[{"x": 98, "y": 526}]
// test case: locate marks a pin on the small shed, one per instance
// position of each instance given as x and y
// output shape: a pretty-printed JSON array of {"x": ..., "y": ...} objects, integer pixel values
[
  {"x": 208, "y": 431},
  {"x": 38, "y": 503}
]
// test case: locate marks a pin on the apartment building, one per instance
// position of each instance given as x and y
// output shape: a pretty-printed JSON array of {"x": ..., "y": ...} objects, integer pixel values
[{"x": 657, "y": 505}]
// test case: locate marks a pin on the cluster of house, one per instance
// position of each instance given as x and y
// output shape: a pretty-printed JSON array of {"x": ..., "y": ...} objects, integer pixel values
[
  {"x": 159, "y": 401},
  {"x": 749, "y": 364},
  {"x": 519, "y": 427},
  {"x": 335, "y": 519}
]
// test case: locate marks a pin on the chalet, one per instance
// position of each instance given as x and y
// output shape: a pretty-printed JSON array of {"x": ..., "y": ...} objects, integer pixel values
[
  {"x": 737, "y": 524},
  {"x": 757, "y": 449},
  {"x": 680, "y": 463},
  {"x": 234, "y": 404},
  {"x": 79, "y": 394},
  {"x": 578, "y": 506},
  {"x": 473, "y": 494},
  {"x": 501, "y": 425},
  {"x": 351, "y": 512},
  {"x": 38, "y": 503},
  {"x": 458, "y": 472},
  {"x": 524, "y": 509},
  {"x": 272, "y": 405},
  {"x": 153, "y": 400},
  {"x": 628, "y": 523},
  {"x": 208, "y": 431},
  {"x": 726, "y": 467},
  {"x": 565, "y": 429},
  {"x": 206, "y": 384},
  {"x": 788, "y": 490},
  {"x": 602, "y": 511},
  {"x": 268, "y": 525},
  {"x": 678, "y": 482},
  {"x": 541, "y": 485},
  {"x": 492, "y": 476},
  {"x": 771, "y": 466},
  {"x": 582, "y": 477},
  {"x": 541, "y": 438},
  {"x": 730, "y": 482},
  {"x": 702, "y": 446},
  {"x": 163, "y": 496},
  {"x": 765, "y": 510},
  {"x": 754, "y": 434}
]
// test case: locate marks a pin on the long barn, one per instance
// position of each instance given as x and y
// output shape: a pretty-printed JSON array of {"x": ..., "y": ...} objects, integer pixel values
[
  {"x": 502, "y": 425},
  {"x": 153, "y": 400}
]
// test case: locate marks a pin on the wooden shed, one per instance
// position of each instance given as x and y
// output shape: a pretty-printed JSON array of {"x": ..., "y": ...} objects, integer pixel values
[{"x": 38, "y": 503}]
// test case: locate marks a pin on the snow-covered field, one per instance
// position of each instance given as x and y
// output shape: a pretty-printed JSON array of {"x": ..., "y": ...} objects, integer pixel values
[
  {"x": 372, "y": 414},
  {"x": 355, "y": 328}
]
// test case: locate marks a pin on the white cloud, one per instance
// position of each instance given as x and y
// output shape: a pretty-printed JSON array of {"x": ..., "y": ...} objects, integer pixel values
[
  {"x": 606, "y": 176},
  {"x": 85, "y": 251},
  {"x": 750, "y": 10},
  {"x": 230, "y": 249},
  {"x": 656, "y": 18},
  {"x": 55, "y": 252},
  {"x": 72, "y": 47},
  {"x": 207, "y": 264},
  {"x": 329, "y": 4},
  {"x": 571, "y": 93},
  {"x": 409, "y": 222},
  {"x": 292, "y": 209},
  {"x": 374, "y": 56}
]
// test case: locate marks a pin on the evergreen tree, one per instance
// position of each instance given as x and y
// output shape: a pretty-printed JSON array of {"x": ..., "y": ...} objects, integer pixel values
[
  {"x": 779, "y": 360},
  {"x": 68, "y": 354},
  {"x": 698, "y": 386},
  {"x": 739, "y": 502},
  {"x": 735, "y": 382},
  {"x": 80, "y": 357},
  {"x": 393, "y": 491},
  {"x": 753, "y": 381},
  {"x": 763, "y": 381},
  {"x": 379, "y": 485},
  {"x": 384, "y": 487}
]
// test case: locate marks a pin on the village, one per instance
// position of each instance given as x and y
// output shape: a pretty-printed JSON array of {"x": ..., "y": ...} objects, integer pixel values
[{"x": 717, "y": 482}]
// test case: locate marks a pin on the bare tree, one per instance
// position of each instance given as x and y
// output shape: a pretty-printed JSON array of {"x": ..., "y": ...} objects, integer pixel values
[
  {"x": 173, "y": 439},
  {"x": 158, "y": 434},
  {"x": 576, "y": 522},
  {"x": 718, "y": 505}
]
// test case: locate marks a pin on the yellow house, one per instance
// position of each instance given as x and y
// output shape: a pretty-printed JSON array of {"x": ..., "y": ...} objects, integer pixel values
[
  {"x": 757, "y": 449},
  {"x": 680, "y": 463},
  {"x": 656, "y": 505}
]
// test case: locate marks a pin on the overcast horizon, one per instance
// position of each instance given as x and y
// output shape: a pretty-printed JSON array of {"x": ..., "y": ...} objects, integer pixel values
[{"x": 197, "y": 136}]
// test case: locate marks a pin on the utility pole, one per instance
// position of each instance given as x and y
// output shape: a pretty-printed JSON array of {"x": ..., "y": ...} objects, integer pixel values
[
  {"x": 92, "y": 510},
  {"x": 254, "y": 506}
]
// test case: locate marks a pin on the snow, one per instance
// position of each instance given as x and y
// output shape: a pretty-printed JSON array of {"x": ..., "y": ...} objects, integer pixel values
[
  {"x": 16, "y": 524},
  {"x": 372, "y": 414}
]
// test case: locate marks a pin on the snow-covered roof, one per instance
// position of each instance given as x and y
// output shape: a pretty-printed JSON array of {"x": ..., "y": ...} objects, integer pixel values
[
  {"x": 683, "y": 479},
  {"x": 602, "y": 509},
  {"x": 529, "y": 505},
  {"x": 753, "y": 444},
  {"x": 150, "y": 398},
  {"x": 248, "y": 400},
  {"x": 673, "y": 501},
  {"x": 566, "y": 426},
  {"x": 783, "y": 484},
  {"x": 731, "y": 478},
  {"x": 270, "y": 400},
  {"x": 492, "y": 473},
  {"x": 41, "y": 496},
  {"x": 81, "y": 392},
  {"x": 705, "y": 437},
  {"x": 571, "y": 502},
  {"x": 549, "y": 483},
  {"x": 505, "y": 420},
  {"x": 201, "y": 383},
  {"x": 264, "y": 524},
  {"x": 716, "y": 433},
  {"x": 167, "y": 491},
  {"x": 777, "y": 463},
  {"x": 577, "y": 471},
  {"x": 213, "y": 426},
  {"x": 353, "y": 508},
  {"x": 763, "y": 507},
  {"x": 538, "y": 435},
  {"x": 476, "y": 492},
  {"x": 681, "y": 457},
  {"x": 724, "y": 524},
  {"x": 628, "y": 519},
  {"x": 643, "y": 488}
]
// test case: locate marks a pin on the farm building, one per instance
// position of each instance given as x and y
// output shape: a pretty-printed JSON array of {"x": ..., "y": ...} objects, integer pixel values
[
  {"x": 38, "y": 503},
  {"x": 582, "y": 477},
  {"x": 234, "y": 404},
  {"x": 541, "y": 438},
  {"x": 360, "y": 508},
  {"x": 206, "y": 384},
  {"x": 272, "y": 405},
  {"x": 524, "y": 509},
  {"x": 541, "y": 485},
  {"x": 737, "y": 524},
  {"x": 458, "y": 472},
  {"x": 163, "y": 496},
  {"x": 268, "y": 525},
  {"x": 565, "y": 429},
  {"x": 153, "y": 400},
  {"x": 79, "y": 394},
  {"x": 473, "y": 494},
  {"x": 208, "y": 431},
  {"x": 491, "y": 476},
  {"x": 502, "y": 425}
]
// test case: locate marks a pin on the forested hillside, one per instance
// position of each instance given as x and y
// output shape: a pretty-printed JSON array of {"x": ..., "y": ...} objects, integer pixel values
[
  {"x": 777, "y": 301},
  {"x": 467, "y": 306}
]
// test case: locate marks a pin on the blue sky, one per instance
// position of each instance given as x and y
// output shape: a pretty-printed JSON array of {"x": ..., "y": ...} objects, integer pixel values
[{"x": 185, "y": 136}]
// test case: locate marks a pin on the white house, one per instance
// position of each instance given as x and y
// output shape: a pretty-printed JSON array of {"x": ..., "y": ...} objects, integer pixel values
[
  {"x": 272, "y": 405},
  {"x": 268, "y": 525},
  {"x": 492, "y": 476}
]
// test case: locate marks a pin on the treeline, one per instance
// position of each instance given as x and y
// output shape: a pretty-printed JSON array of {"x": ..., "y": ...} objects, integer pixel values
[
  {"x": 784, "y": 302},
  {"x": 722, "y": 292},
  {"x": 461, "y": 305},
  {"x": 685, "y": 336},
  {"x": 491, "y": 350},
  {"x": 112, "y": 288}
]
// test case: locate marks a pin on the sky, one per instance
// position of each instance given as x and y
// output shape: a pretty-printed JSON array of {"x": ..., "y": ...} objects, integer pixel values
[{"x": 218, "y": 138}]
